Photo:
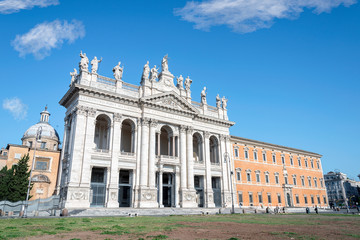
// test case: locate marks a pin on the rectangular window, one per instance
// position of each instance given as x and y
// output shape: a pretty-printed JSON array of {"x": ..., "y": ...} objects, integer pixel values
[
  {"x": 276, "y": 179},
  {"x": 42, "y": 164},
  {"x": 309, "y": 180},
  {"x": 305, "y": 199},
  {"x": 315, "y": 183},
  {"x": 240, "y": 198},
  {"x": 291, "y": 161},
  {"x": 236, "y": 152},
  {"x": 306, "y": 163},
  {"x": 30, "y": 144},
  {"x": 250, "y": 198},
  {"x": 260, "y": 197},
  {"x": 238, "y": 176},
  {"x": 318, "y": 164},
  {"x": 258, "y": 177},
  {"x": 294, "y": 181},
  {"x": 267, "y": 178},
  {"x": 43, "y": 145},
  {"x": 283, "y": 159},
  {"x": 312, "y": 200},
  {"x": 255, "y": 155},
  {"x": 318, "y": 198},
  {"x": 246, "y": 154},
  {"x": 297, "y": 199},
  {"x": 264, "y": 157},
  {"x": 321, "y": 183},
  {"x": 299, "y": 162},
  {"x": 303, "y": 182},
  {"x": 248, "y": 176},
  {"x": 269, "y": 198},
  {"x": 286, "y": 180},
  {"x": 274, "y": 158},
  {"x": 17, "y": 155},
  {"x": 324, "y": 199},
  {"x": 279, "y": 198}
]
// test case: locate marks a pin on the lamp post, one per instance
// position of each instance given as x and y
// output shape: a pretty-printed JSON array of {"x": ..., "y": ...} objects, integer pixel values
[
  {"x": 37, "y": 139},
  {"x": 227, "y": 160}
]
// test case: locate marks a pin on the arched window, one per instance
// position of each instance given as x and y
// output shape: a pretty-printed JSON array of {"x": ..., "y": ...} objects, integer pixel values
[
  {"x": 167, "y": 142},
  {"x": 197, "y": 148},
  {"x": 102, "y": 132},
  {"x": 127, "y": 136},
  {"x": 214, "y": 150}
]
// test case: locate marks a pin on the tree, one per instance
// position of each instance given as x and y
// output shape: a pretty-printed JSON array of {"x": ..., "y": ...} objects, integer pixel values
[{"x": 14, "y": 181}]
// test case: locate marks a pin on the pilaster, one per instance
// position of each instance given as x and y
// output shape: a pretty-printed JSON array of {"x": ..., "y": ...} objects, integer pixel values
[{"x": 209, "y": 194}]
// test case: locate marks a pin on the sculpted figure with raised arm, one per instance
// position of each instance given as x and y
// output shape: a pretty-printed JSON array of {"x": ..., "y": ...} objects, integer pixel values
[
  {"x": 95, "y": 64},
  {"x": 73, "y": 75},
  {"x": 154, "y": 74}
]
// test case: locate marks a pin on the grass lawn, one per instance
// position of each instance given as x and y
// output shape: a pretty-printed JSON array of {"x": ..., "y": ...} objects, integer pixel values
[{"x": 237, "y": 226}]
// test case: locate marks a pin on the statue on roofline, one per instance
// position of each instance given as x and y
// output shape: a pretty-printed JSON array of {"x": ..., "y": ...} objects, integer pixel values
[
  {"x": 95, "y": 64},
  {"x": 73, "y": 75},
  {"x": 146, "y": 72},
  {"x": 118, "y": 71},
  {"x": 154, "y": 74},
  {"x": 188, "y": 82},
  {"x": 218, "y": 101},
  {"x": 180, "y": 82},
  {"x": 84, "y": 62},
  {"x": 164, "y": 64},
  {"x": 203, "y": 96},
  {"x": 224, "y": 102}
]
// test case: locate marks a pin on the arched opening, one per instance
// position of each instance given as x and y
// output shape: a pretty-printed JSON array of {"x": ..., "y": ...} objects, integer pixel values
[
  {"x": 102, "y": 132},
  {"x": 127, "y": 136},
  {"x": 214, "y": 150},
  {"x": 166, "y": 142},
  {"x": 197, "y": 148}
]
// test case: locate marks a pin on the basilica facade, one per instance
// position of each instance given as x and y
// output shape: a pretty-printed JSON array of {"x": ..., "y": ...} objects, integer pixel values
[{"x": 147, "y": 146}]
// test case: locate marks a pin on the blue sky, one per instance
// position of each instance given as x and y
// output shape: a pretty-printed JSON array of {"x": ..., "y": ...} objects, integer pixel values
[{"x": 290, "y": 69}]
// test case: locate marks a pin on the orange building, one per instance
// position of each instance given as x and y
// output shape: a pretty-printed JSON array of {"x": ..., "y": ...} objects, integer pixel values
[
  {"x": 47, "y": 156},
  {"x": 272, "y": 175}
]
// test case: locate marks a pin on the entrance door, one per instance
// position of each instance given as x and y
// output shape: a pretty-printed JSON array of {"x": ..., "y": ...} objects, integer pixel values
[
  {"x": 288, "y": 200},
  {"x": 98, "y": 187},
  {"x": 217, "y": 190},
  {"x": 199, "y": 187},
  {"x": 125, "y": 187},
  {"x": 167, "y": 189}
]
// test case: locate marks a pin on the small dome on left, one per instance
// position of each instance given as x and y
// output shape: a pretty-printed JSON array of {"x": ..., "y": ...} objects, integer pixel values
[{"x": 49, "y": 138}]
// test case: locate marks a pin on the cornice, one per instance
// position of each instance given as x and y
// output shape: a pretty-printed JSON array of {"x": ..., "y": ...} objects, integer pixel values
[{"x": 274, "y": 146}]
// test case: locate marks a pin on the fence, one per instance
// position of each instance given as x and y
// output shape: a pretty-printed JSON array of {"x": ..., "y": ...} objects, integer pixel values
[{"x": 38, "y": 205}]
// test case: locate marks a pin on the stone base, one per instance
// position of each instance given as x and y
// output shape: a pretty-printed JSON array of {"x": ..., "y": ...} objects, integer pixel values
[
  {"x": 209, "y": 199},
  {"x": 148, "y": 197},
  {"x": 113, "y": 201},
  {"x": 227, "y": 199},
  {"x": 188, "y": 198},
  {"x": 77, "y": 198}
]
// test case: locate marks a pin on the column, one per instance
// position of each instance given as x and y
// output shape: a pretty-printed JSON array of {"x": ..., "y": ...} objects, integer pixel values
[
  {"x": 158, "y": 142},
  {"x": 190, "y": 158},
  {"x": 183, "y": 182},
  {"x": 209, "y": 197},
  {"x": 144, "y": 152},
  {"x": 113, "y": 187},
  {"x": 160, "y": 186},
  {"x": 225, "y": 172},
  {"x": 153, "y": 125},
  {"x": 88, "y": 148},
  {"x": 136, "y": 195},
  {"x": 173, "y": 146},
  {"x": 59, "y": 174}
]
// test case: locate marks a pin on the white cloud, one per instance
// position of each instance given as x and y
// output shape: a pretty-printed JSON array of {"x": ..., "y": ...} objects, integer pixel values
[
  {"x": 249, "y": 15},
  {"x": 48, "y": 35},
  {"x": 16, "y": 107},
  {"x": 11, "y": 6}
]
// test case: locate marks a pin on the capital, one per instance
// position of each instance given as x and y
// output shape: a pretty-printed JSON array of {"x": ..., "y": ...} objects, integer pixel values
[
  {"x": 153, "y": 123},
  {"x": 182, "y": 128},
  {"x": 117, "y": 117},
  {"x": 145, "y": 121},
  {"x": 91, "y": 112},
  {"x": 80, "y": 110},
  {"x": 206, "y": 134},
  {"x": 189, "y": 129}
]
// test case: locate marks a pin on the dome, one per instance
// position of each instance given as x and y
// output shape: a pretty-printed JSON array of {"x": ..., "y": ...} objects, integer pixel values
[{"x": 47, "y": 131}]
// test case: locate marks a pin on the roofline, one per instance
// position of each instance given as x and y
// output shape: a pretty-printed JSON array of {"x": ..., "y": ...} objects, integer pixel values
[
  {"x": 279, "y": 147},
  {"x": 37, "y": 149}
]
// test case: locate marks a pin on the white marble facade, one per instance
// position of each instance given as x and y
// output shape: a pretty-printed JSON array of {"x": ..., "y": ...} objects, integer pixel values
[{"x": 146, "y": 146}]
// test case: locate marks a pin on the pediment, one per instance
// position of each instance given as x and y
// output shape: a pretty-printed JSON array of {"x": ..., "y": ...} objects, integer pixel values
[{"x": 170, "y": 100}]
